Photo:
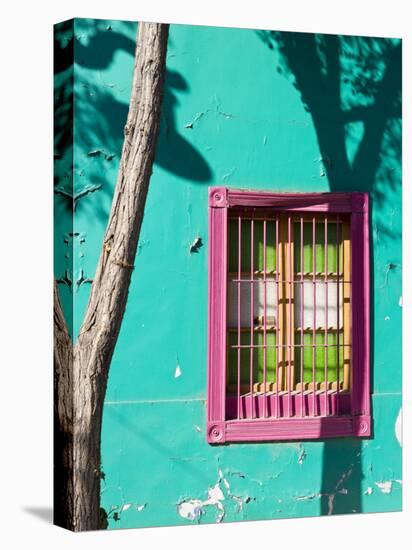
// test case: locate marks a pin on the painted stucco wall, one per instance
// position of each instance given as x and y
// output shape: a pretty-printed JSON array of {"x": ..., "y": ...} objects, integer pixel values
[{"x": 247, "y": 109}]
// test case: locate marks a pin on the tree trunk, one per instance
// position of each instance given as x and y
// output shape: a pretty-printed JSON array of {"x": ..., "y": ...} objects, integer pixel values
[{"x": 81, "y": 374}]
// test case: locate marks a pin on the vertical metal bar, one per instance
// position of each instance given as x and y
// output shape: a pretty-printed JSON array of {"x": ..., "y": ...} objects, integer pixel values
[
  {"x": 239, "y": 275},
  {"x": 302, "y": 320},
  {"x": 264, "y": 319},
  {"x": 337, "y": 312},
  {"x": 290, "y": 317},
  {"x": 277, "y": 314},
  {"x": 252, "y": 291},
  {"x": 326, "y": 316},
  {"x": 314, "y": 313}
]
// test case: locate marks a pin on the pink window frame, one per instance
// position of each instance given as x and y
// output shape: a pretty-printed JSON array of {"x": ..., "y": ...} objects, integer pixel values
[{"x": 358, "y": 422}]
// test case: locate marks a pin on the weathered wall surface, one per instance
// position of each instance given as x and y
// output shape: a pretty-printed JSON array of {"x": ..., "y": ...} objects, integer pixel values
[{"x": 279, "y": 111}]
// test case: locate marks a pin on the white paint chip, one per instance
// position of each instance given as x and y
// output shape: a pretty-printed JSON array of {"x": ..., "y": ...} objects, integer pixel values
[
  {"x": 215, "y": 494},
  {"x": 178, "y": 371},
  {"x": 368, "y": 491},
  {"x": 387, "y": 318},
  {"x": 140, "y": 507},
  {"x": 191, "y": 509},
  {"x": 384, "y": 486},
  {"x": 125, "y": 507},
  {"x": 400, "y": 301},
  {"x": 398, "y": 427}
]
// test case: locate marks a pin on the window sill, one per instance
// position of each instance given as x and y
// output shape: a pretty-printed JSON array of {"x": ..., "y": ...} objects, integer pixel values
[{"x": 282, "y": 429}]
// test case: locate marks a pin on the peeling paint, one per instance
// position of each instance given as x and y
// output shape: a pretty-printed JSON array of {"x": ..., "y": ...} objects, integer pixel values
[
  {"x": 400, "y": 302},
  {"x": 214, "y": 110},
  {"x": 116, "y": 511},
  {"x": 302, "y": 455},
  {"x": 324, "y": 163},
  {"x": 388, "y": 269},
  {"x": 198, "y": 116},
  {"x": 101, "y": 152},
  {"x": 237, "y": 474},
  {"x": 331, "y": 500},
  {"x": 229, "y": 174},
  {"x": 226, "y": 115},
  {"x": 196, "y": 245},
  {"x": 143, "y": 243},
  {"x": 75, "y": 197},
  {"x": 338, "y": 489},
  {"x": 95, "y": 153},
  {"x": 308, "y": 497},
  {"x": 192, "y": 509},
  {"x": 384, "y": 486}
]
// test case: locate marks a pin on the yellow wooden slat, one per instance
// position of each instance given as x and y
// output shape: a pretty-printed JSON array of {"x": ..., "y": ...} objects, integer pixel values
[{"x": 346, "y": 306}]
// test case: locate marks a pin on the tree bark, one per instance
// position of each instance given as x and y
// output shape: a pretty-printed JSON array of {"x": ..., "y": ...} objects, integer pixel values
[{"x": 81, "y": 370}]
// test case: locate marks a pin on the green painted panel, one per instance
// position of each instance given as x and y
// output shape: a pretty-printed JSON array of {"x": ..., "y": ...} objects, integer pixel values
[
  {"x": 258, "y": 357},
  {"x": 316, "y": 356},
  {"x": 246, "y": 242},
  {"x": 321, "y": 256}
]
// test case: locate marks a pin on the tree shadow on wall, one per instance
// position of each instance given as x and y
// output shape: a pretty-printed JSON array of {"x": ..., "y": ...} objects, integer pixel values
[
  {"x": 101, "y": 109},
  {"x": 351, "y": 86},
  {"x": 96, "y": 104}
]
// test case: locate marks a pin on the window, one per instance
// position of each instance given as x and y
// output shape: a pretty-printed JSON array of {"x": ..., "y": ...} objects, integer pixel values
[{"x": 288, "y": 348}]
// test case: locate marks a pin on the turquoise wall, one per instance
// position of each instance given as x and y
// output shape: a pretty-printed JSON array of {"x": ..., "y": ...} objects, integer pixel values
[{"x": 246, "y": 109}]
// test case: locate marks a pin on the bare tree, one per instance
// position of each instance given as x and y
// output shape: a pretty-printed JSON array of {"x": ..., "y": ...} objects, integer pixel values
[{"x": 81, "y": 369}]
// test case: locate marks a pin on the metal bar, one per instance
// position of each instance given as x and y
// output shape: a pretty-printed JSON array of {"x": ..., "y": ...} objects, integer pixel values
[
  {"x": 247, "y": 346},
  {"x": 277, "y": 314},
  {"x": 264, "y": 316},
  {"x": 326, "y": 316},
  {"x": 238, "y": 311},
  {"x": 251, "y": 315},
  {"x": 289, "y": 317},
  {"x": 286, "y": 280},
  {"x": 309, "y": 329},
  {"x": 314, "y": 313},
  {"x": 302, "y": 320}
]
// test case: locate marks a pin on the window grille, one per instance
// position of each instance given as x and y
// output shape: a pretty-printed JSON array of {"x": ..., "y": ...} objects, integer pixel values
[{"x": 288, "y": 308}]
